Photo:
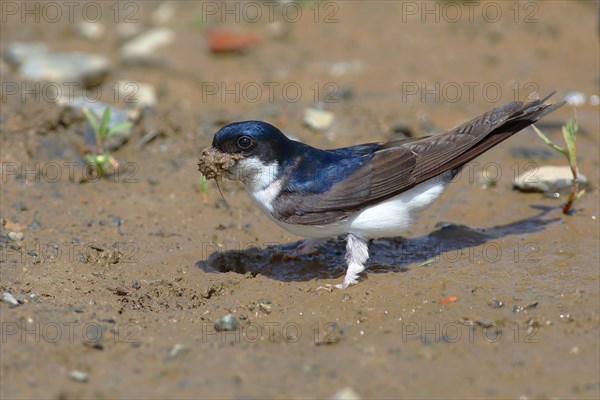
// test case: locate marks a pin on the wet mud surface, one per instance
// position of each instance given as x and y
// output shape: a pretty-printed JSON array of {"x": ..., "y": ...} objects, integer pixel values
[{"x": 119, "y": 281}]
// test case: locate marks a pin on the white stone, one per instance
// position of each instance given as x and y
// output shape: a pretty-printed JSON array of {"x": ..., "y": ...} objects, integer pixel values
[
  {"x": 91, "y": 30},
  {"x": 163, "y": 14},
  {"x": 320, "y": 120},
  {"x": 65, "y": 67},
  {"x": 135, "y": 94},
  {"x": 547, "y": 178},
  {"x": 144, "y": 46},
  {"x": 575, "y": 99},
  {"x": 17, "y": 52},
  {"x": 10, "y": 299}
]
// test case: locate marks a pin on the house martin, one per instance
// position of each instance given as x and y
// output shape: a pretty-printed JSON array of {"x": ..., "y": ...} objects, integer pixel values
[{"x": 364, "y": 191}]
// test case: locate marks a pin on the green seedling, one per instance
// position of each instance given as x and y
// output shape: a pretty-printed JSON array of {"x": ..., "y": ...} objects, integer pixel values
[
  {"x": 203, "y": 185},
  {"x": 569, "y": 131},
  {"x": 100, "y": 159}
]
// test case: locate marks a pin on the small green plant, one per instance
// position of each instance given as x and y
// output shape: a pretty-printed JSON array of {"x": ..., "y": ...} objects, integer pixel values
[
  {"x": 569, "y": 131},
  {"x": 203, "y": 184},
  {"x": 100, "y": 159}
]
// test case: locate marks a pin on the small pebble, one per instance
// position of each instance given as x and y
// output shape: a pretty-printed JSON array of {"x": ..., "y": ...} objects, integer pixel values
[
  {"x": 91, "y": 30},
  {"x": 346, "y": 67},
  {"x": 264, "y": 305},
  {"x": 495, "y": 303},
  {"x": 176, "y": 350},
  {"x": 346, "y": 393},
  {"x": 78, "y": 376},
  {"x": 146, "y": 46},
  {"x": 35, "y": 224},
  {"x": 163, "y": 14},
  {"x": 227, "y": 323},
  {"x": 89, "y": 69},
  {"x": 17, "y": 52},
  {"x": 16, "y": 236},
  {"x": 319, "y": 120},
  {"x": 10, "y": 299},
  {"x": 547, "y": 178},
  {"x": 135, "y": 94},
  {"x": 575, "y": 98}
]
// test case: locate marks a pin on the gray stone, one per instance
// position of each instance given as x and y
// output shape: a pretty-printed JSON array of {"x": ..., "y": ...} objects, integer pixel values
[
  {"x": 88, "y": 69},
  {"x": 10, "y": 299},
  {"x": 16, "y": 236},
  {"x": 227, "y": 323},
  {"x": 17, "y": 52},
  {"x": 547, "y": 178},
  {"x": 143, "y": 48}
]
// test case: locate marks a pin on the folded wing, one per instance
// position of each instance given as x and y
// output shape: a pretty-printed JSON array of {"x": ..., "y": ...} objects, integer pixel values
[{"x": 398, "y": 166}]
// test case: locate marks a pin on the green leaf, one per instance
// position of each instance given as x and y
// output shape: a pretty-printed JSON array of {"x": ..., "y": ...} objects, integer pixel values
[
  {"x": 91, "y": 159},
  {"x": 427, "y": 262},
  {"x": 92, "y": 119},
  {"x": 549, "y": 142},
  {"x": 203, "y": 184},
  {"x": 104, "y": 124},
  {"x": 120, "y": 127},
  {"x": 569, "y": 131}
]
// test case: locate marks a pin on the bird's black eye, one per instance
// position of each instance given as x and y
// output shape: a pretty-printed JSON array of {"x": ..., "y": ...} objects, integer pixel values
[{"x": 244, "y": 142}]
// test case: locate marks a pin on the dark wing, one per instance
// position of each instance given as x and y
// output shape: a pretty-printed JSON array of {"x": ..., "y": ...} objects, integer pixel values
[{"x": 398, "y": 166}]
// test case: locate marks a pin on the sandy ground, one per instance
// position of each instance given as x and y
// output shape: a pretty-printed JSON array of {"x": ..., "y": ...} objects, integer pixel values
[{"x": 121, "y": 279}]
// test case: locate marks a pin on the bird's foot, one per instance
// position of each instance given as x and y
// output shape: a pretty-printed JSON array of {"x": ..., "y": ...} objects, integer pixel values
[
  {"x": 348, "y": 281},
  {"x": 309, "y": 246},
  {"x": 357, "y": 253}
]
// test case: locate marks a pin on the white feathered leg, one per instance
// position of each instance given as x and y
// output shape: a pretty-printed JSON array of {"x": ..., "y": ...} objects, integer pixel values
[{"x": 357, "y": 254}]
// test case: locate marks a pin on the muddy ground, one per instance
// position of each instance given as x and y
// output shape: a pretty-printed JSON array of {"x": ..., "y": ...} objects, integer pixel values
[{"x": 492, "y": 294}]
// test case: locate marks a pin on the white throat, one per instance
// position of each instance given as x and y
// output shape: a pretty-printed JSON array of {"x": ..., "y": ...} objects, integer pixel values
[{"x": 260, "y": 181}]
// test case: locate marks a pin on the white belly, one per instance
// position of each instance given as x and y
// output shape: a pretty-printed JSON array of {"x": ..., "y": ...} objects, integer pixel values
[{"x": 387, "y": 219}]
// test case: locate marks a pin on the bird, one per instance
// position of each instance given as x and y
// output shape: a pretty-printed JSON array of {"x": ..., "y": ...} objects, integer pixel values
[{"x": 364, "y": 191}]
